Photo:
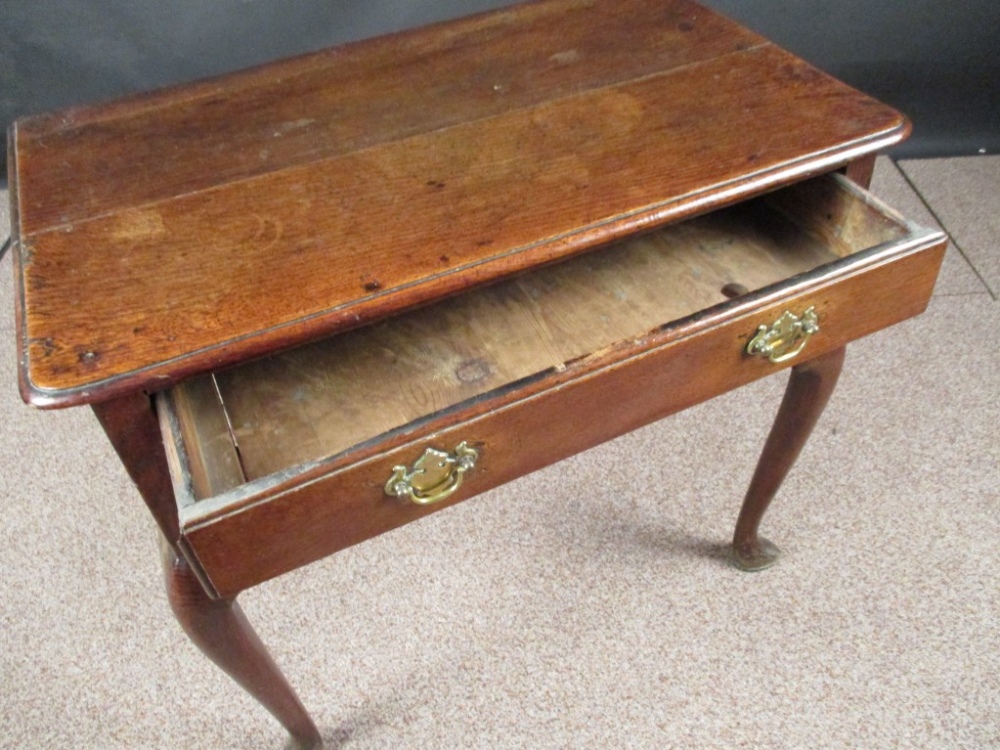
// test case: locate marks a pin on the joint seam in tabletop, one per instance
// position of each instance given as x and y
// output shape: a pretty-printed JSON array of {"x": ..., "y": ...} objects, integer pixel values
[
  {"x": 658, "y": 213},
  {"x": 251, "y": 179},
  {"x": 289, "y": 67}
]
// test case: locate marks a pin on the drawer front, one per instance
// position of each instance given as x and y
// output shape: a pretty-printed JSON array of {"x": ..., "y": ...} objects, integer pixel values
[{"x": 268, "y": 535}]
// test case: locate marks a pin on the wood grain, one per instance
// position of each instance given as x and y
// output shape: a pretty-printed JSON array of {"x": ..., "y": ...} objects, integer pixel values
[
  {"x": 809, "y": 389},
  {"x": 272, "y": 526},
  {"x": 132, "y": 427},
  {"x": 319, "y": 400},
  {"x": 172, "y": 234},
  {"x": 151, "y": 284},
  {"x": 212, "y": 455},
  {"x": 222, "y": 632},
  {"x": 100, "y": 159}
]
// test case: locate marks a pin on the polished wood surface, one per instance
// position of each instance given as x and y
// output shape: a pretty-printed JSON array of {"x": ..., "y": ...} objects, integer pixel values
[
  {"x": 861, "y": 170},
  {"x": 217, "y": 626},
  {"x": 809, "y": 389},
  {"x": 220, "y": 629},
  {"x": 326, "y": 210},
  {"x": 356, "y": 97},
  {"x": 131, "y": 424}
]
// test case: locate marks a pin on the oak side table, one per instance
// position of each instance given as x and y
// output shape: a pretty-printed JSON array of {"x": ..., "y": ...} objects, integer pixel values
[{"x": 319, "y": 299}]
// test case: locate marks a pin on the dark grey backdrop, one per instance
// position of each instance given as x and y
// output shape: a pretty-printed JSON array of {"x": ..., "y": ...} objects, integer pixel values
[{"x": 936, "y": 61}]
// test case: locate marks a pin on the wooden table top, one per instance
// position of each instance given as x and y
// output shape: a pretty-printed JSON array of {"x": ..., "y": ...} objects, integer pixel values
[{"x": 179, "y": 231}]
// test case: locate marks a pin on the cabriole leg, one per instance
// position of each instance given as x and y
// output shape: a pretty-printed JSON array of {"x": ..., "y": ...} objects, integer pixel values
[
  {"x": 809, "y": 388},
  {"x": 218, "y": 627}
]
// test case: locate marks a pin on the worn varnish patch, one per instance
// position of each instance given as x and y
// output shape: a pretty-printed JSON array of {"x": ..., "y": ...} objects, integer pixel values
[
  {"x": 137, "y": 224},
  {"x": 319, "y": 194}
]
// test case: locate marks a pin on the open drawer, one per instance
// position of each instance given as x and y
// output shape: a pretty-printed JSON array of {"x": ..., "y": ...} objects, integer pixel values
[{"x": 281, "y": 461}]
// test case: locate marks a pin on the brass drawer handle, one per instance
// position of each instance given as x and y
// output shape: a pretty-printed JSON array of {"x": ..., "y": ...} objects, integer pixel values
[
  {"x": 786, "y": 337},
  {"x": 434, "y": 476}
]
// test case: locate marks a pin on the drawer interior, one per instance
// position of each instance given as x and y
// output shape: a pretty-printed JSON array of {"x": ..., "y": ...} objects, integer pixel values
[{"x": 320, "y": 400}]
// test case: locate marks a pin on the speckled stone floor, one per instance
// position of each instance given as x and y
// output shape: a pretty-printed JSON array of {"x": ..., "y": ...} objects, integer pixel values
[{"x": 586, "y": 605}]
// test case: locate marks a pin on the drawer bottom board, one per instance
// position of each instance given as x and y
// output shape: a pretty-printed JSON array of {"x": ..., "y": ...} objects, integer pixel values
[
  {"x": 321, "y": 400},
  {"x": 302, "y": 520}
]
